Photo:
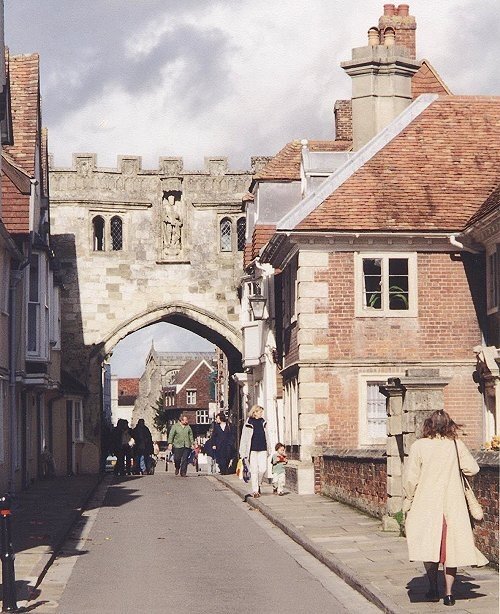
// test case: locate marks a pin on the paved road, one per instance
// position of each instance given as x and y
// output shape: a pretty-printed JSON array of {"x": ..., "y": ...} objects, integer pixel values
[{"x": 161, "y": 544}]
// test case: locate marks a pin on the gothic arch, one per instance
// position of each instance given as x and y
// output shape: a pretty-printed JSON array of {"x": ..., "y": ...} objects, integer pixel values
[{"x": 190, "y": 317}]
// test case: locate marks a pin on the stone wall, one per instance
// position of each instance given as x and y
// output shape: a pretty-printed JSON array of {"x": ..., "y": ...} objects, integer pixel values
[{"x": 167, "y": 264}]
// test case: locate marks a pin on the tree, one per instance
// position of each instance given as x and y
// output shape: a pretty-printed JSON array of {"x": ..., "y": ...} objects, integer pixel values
[{"x": 160, "y": 419}]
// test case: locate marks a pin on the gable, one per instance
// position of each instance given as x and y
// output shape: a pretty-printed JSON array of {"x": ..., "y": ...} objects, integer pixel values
[{"x": 427, "y": 81}]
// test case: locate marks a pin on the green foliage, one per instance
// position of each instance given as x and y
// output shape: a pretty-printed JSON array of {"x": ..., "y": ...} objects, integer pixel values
[
  {"x": 374, "y": 298},
  {"x": 160, "y": 418},
  {"x": 400, "y": 519}
]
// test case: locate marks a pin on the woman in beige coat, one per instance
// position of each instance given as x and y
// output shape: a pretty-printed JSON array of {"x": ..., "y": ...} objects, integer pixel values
[{"x": 437, "y": 525}]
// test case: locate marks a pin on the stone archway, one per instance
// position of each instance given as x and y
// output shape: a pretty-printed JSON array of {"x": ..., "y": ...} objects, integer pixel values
[
  {"x": 195, "y": 319},
  {"x": 190, "y": 317}
]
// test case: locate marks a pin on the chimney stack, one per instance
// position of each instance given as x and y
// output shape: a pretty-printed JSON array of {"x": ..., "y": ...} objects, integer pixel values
[
  {"x": 381, "y": 75},
  {"x": 403, "y": 24}
]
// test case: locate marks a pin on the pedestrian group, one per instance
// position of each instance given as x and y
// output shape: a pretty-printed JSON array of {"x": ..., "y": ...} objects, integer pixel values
[{"x": 437, "y": 518}]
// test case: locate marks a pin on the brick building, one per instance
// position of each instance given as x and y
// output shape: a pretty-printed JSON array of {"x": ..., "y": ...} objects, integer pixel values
[
  {"x": 193, "y": 393},
  {"x": 361, "y": 259},
  {"x": 40, "y": 408},
  {"x": 124, "y": 393}
]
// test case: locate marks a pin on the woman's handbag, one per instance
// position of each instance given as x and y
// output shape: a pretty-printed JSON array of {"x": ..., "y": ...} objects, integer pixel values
[
  {"x": 475, "y": 509},
  {"x": 246, "y": 472}
]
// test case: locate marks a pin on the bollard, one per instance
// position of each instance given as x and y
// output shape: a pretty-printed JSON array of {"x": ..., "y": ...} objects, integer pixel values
[{"x": 7, "y": 555}]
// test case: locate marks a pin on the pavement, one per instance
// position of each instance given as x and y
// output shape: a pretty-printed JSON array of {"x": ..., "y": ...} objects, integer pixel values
[
  {"x": 42, "y": 518},
  {"x": 347, "y": 541},
  {"x": 370, "y": 560}
]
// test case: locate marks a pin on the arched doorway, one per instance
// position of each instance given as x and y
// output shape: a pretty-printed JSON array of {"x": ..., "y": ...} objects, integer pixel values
[{"x": 199, "y": 321}]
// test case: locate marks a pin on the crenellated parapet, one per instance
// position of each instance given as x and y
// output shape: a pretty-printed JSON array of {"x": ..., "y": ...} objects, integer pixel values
[{"x": 130, "y": 180}]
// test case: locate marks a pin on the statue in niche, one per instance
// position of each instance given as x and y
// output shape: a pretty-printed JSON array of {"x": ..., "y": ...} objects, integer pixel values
[{"x": 172, "y": 223}]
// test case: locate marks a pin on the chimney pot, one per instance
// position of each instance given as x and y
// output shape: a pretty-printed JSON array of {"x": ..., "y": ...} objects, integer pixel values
[
  {"x": 389, "y": 9},
  {"x": 403, "y": 10},
  {"x": 373, "y": 37},
  {"x": 389, "y": 37}
]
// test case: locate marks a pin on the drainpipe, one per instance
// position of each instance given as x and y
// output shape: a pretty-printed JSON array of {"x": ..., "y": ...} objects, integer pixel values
[{"x": 455, "y": 243}]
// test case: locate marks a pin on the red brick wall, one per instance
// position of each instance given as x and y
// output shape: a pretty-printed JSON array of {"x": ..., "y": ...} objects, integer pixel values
[
  {"x": 446, "y": 326},
  {"x": 355, "y": 477},
  {"x": 343, "y": 120},
  {"x": 199, "y": 382},
  {"x": 446, "y": 330},
  {"x": 485, "y": 486}
]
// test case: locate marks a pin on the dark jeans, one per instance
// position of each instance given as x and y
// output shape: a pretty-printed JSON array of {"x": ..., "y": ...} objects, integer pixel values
[
  {"x": 181, "y": 459},
  {"x": 123, "y": 460}
]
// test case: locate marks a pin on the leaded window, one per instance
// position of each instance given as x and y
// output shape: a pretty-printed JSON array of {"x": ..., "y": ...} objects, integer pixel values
[
  {"x": 116, "y": 233},
  {"x": 241, "y": 227},
  {"x": 225, "y": 235}
]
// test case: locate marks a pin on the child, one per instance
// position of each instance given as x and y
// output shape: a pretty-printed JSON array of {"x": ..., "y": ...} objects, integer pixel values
[{"x": 278, "y": 461}]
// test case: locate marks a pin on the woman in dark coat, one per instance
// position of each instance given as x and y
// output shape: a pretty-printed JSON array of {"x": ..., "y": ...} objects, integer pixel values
[
  {"x": 223, "y": 442},
  {"x": 122, "y": 449}
]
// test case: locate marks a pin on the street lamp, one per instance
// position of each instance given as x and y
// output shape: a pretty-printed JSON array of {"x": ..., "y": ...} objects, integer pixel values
[{"x": 258, "y": 306}]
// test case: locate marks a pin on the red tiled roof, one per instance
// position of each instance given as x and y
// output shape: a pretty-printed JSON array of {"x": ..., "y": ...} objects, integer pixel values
[
  {"x": 128, "y": 387},
  {"x": 433, "y": 176},
  {"x": 427, "y": 81},
  {"x": 285, "y": 165},
  {"x": 491, "y": 204},
  {"x": 247, "y": 255},
  {"x": 187, "y": 370},
  {"x": 24, "y": 92},
  {"x": 261, "y": 235},
  {"x": 15, "y": 185}
]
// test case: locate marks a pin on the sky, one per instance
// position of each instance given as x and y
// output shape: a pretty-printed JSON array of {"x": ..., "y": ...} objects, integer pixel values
[{"x": 239, "y": 78}]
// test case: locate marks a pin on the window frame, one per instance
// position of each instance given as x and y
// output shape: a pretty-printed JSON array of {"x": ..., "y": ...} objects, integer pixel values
[
  {"x": 114, "y": 220},
  {"x": 191, "y": 394},
  {"x": 229, "y": 221},
  {"x": 364, "y": 379},
  {"x": 492, "y": 281},
  {"x": 42, "y": 312},
  {"x": 77, "y": 413},
  {"x": 241, "y": 221},
  {"x": 95, "y": 217},
  {"x": 361, "y": 311},
  {"x": 291, "y": 407},
  {"x": 206, "y": 416}
]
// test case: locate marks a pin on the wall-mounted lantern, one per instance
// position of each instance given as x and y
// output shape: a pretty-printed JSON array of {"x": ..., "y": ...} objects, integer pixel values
[{"x": 258, "y": 306}]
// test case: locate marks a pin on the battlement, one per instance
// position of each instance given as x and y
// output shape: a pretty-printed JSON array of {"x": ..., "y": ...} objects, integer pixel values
[{"x": 215, "y": 166}]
